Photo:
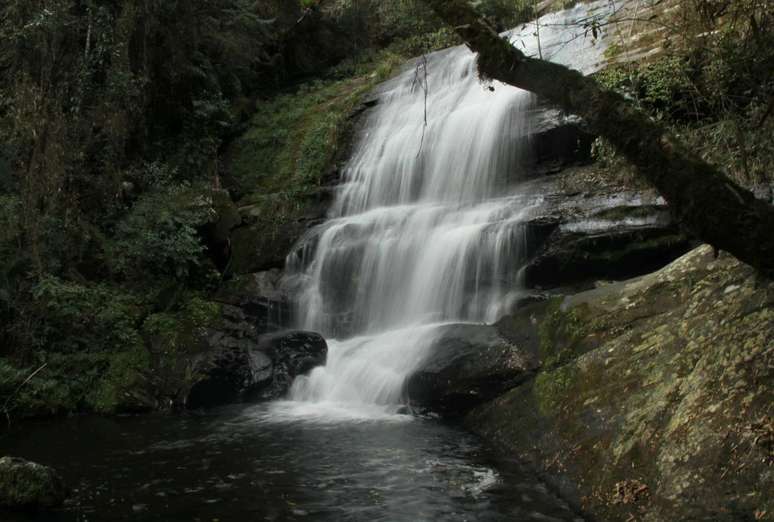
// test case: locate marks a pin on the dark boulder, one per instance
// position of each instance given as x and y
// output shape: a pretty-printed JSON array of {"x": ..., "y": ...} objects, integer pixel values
[
  {"x": 271, "y": 226},
  {"x": 649, "y": 387},
  {"x": 293, "y": 353},
  {"x": 225, "y": 372},
  {"x": 555, "y": 142},
  {"x": 467, "y": 365},
  {"x": 239, "y": 364},
  {"x": 28, "y": 485},
  {"x": 217, "y": 233}
]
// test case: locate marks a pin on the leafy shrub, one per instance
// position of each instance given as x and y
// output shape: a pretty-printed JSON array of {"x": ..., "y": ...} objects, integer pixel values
[
  {"x": 68, "y": 383},
  {"x": 663, "y": 87},
  {"x": 159, "y": 236},
  {"x": 74, "y": 317}
]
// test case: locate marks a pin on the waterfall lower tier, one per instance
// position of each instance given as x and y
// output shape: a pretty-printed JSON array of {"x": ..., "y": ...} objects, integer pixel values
[{"x": 427, "y": 224}]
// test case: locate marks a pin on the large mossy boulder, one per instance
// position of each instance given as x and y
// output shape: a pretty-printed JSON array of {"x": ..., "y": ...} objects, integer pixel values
[
  {"x": 654, "y": 401},
  {"x": 466, "y": 365},
  {"x": 28, "y": 485}
]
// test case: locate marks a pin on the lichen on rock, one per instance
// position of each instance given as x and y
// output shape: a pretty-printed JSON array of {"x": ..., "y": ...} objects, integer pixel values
[{"x": 671, "y": 390}]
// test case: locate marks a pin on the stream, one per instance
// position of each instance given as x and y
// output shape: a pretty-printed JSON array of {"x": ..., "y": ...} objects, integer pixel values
[{"x": 272, "y": 462}]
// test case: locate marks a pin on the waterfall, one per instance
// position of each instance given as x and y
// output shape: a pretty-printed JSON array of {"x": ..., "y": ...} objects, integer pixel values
[{"x": 427, "y": 223}]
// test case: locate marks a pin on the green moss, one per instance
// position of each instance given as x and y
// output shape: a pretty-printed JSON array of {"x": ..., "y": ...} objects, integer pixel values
[
  {"x": 293, "y": 137},
  {"x": 613, "y": 50},
  {"x": 561, "y": 333},
  {"x": 551, "y": 388},
  {"x": 129, "y": 377},
  {"x": 28, "y": 485},
  {"x": 177, "y": 331},
  {"x": 82, "y": 317},
  {"x": 64, "y": 385},
  {"x": 289, "y": 151},
  {"x": 662, "y": 87}
]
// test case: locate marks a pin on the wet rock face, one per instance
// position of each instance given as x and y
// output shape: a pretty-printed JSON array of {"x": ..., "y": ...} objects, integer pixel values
[
  {"x": 260, "y": 297},
  {"x": 467, "y": 365},
  {"x": 570, "y": 257},
  {"x": 575, "y": 239},
  {"x": 654, "y": 397},
  {"x": 27, "y": 485},
  {"x": 556, "y": 142},
  {"x": 268, "y": 232},
  {"x": 293, "y": 353},
  {"x": 241, "y": 364}
]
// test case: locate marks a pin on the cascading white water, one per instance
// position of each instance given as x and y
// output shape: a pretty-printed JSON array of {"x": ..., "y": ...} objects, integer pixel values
[{"x": 425, "y": 228}]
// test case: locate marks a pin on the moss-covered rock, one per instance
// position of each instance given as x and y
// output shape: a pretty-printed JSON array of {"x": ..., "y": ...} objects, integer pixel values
[
  {"x": 657, "y": 404},
  {"x": 28, "y": 485},
  {"x": 281, "y": 169}
]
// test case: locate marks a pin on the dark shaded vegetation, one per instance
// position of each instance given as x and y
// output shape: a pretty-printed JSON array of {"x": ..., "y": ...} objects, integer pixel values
[{"x": 113, "y": 114}]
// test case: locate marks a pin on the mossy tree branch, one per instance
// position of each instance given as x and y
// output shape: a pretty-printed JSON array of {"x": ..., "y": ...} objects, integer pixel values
[{"x": 706, "y": 203}]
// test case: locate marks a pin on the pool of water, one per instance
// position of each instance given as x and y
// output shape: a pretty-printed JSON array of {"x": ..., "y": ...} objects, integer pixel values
[{"x": 277, "y": 462}]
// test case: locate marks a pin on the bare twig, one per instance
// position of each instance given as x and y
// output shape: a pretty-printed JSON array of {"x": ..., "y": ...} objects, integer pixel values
[
  {"x": 422, "y": 82},
  {"x": 17, "y": 390}
]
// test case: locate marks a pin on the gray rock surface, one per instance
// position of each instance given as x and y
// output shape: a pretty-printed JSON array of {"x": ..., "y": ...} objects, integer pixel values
[{"x": 467, "y": 365}]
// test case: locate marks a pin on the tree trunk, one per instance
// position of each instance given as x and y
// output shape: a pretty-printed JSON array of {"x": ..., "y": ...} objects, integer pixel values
[{"x": 706, "y": 203}]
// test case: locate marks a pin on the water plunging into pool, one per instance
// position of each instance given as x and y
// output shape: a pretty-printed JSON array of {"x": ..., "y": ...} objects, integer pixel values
[{"x": 427, "y": 223}]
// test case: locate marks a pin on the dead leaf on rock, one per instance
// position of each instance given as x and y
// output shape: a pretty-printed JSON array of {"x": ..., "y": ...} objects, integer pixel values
[{"x": 630, "y": 492}]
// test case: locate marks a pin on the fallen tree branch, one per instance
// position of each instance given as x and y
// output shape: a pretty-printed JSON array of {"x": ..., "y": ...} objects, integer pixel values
[{"x": 706, "y": 203}]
